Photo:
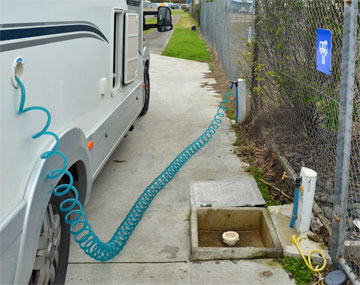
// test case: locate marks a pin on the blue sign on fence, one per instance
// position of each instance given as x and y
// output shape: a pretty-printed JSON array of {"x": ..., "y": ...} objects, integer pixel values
[{"x": 323, "y": 51}]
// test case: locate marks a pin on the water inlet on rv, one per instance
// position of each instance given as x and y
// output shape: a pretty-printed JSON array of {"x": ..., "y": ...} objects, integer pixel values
[{"x": 88, "y": 241}]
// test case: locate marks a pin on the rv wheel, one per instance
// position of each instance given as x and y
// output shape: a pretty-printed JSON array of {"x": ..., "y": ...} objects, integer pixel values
[
  {"x": 147, "y": 91},
  {"x": 53, "y": 248}
]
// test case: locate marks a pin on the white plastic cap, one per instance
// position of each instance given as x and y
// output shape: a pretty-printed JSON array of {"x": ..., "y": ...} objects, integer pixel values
[
  {"x": 230, "y": 238},
  {"x": 308, "y": 172}
]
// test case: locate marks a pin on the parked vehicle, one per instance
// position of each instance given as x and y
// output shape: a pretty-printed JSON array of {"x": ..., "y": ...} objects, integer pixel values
[
  {"x": 174, "y": 6},
  {"x": 86, "y": 63},
  {"x": 154, "y": 5},
  {"x": 185, "y": 7},
  {"x": 147, "y": 4},
  {"x": 242, "y": 7}
]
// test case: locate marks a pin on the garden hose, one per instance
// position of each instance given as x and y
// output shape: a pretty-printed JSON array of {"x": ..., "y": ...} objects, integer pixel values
[
  {"x": 295, "y": 208},
  {"x": 88, "y": 241},
  {"x": 296, "y": 240}
]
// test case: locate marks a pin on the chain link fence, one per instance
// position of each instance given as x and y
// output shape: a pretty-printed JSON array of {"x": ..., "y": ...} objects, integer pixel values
[
  {"x": 353, "y": 214},
  {"x": 214, "y": 26},
  {"x": 227, "y": 26},
  {"x": 295, "y": 107}
]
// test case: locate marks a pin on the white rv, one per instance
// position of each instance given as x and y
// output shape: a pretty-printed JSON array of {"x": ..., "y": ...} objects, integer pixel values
[{"x": 85, "y": 61}]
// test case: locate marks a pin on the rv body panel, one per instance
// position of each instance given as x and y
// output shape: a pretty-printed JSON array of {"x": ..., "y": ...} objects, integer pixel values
[
  {"x": 113, "y": 128},
  {"x": 10, "y": 236},
  {"x": 39, "y": 190},
  {"x": 68, "y": 50}
]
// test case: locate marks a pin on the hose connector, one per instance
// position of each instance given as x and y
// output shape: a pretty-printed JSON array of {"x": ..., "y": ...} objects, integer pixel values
[{"x": 297, "y": 180}]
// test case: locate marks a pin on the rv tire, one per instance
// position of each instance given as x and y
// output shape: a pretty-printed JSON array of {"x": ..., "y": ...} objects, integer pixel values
[
  {"x": 52, "y": 254},
  {"x": 146, "y": 91}
]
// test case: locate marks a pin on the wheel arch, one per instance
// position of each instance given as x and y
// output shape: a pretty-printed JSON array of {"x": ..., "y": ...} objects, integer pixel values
[
  {"x": 39, "y": 190},
  {"x": 146, "y": 56},
  {"x": 78, "y": 171}
]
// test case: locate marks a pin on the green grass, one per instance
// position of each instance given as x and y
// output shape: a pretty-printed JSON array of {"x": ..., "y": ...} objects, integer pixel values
[
  {"x": 149, "y": 31},
  {"x": 240, "y": 141},
  {"x": 264, "y": 189},
  {"x": 185, "y": 21},
  {"x": 185, "y": 43},
  {"x": 230, "y": 113},
  {"x": 177, "y": 12},
  {"x": 302, "y": 274},
  {"x": 150, "y": 21}
]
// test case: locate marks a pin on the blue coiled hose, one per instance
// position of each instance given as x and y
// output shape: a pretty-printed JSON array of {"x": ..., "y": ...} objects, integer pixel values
[{"x": 88, "y": 241}]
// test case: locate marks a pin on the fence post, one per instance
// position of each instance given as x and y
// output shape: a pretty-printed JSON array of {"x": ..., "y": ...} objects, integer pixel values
[
  {"x": 337, "y": 248},
  {"x": 254, "y": 82},
  {"x": 228, "y": 2}
]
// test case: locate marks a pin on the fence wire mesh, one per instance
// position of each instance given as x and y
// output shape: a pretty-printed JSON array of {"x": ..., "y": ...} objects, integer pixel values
[
  {"x": 353, "y": 231},
  {"x": 227, "y": 26},
  {"x": 214, "y": 26},
  {"x": 295, "y": 106}
]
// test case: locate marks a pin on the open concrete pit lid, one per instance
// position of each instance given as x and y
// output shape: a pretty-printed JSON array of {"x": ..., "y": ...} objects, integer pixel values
[{"x": 239, "y": 193}]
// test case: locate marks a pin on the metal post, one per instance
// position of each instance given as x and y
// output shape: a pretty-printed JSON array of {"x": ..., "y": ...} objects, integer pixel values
[
  {"x": 337, "y": 248},
  {"x": 254, "y": 82},
  {"x": 228, "y": 4},
  {"x": 350, "y": 274}
]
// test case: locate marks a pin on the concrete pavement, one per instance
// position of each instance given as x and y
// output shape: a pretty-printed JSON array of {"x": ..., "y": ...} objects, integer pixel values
[
  {"x": 157, "y": 41},
  {"x": 158, "y": 252}
]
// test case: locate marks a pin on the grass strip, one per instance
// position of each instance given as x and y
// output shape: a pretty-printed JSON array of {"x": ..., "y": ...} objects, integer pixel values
[
  {"x": 150, "y": 21},
  {"x": 186, "y": 43}
]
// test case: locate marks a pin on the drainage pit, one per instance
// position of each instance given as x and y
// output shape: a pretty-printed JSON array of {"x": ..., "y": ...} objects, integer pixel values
[{"x": 257, "y": 236}]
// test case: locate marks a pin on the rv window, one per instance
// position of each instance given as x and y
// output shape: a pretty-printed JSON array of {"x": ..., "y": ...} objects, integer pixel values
[
  {"x": 131, "y": 47},
  {"x": 117, "y": 48}
]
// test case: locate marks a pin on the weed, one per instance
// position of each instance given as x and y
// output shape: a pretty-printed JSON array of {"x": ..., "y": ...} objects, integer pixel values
[
  {"x": 245, "y": 149},
  {"x": 302, "y": 274},
  {"x": 211, "y": 67},
  {"x": 188, "y": 217},
  {"x": 264, "y": 189},
  {"x": 239, "y": 140},
  {"x": 230, "y": 113}
]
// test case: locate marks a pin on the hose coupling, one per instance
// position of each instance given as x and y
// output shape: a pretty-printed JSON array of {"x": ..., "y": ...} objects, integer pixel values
[{"x": 297, "y": 180}]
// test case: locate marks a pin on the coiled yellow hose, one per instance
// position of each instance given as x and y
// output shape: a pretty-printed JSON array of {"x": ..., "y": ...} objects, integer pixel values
[{"x": 296, "y": 240}]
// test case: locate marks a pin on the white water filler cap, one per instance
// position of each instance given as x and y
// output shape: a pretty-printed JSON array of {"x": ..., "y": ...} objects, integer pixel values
[
  {"x": 308, "y": 172},
  {"x": 230, "y": 238}
]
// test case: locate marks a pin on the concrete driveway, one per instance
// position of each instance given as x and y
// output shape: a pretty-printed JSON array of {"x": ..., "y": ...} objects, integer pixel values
[
  {"x": 158, "y": 252},
  {"x": 156, "y": 41}
]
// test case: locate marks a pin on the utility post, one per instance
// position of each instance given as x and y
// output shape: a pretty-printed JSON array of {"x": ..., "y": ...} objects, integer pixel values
[
  {"x": 228, "y": 10},
  {"x": 337, "y": 249},
  {"x": 254, "y": 82}
]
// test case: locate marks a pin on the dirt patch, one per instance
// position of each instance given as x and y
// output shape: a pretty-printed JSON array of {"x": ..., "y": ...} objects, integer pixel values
[{"x": 266, "y": 273}]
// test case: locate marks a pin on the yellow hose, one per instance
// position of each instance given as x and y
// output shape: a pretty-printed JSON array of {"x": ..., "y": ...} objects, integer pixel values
[{"x": 308, "y": 263}]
